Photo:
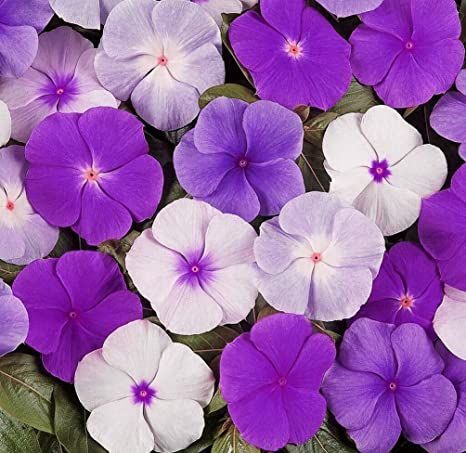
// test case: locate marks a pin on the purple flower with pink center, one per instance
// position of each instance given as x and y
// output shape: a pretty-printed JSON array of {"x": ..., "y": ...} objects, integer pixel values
[
  {"x": 408, "y": 50},
  {"x": 388, "y": 380},
  {"x": 102, "y": 183},
  {"x": 73, "y": 304},
  {"x": 196, "y": 267},
  {"x": 294, "y": 55},
  {"x": 407, "y": 288},
  {"x": 240, "y": 157},
  {"x": 270, "y": 378},
  {"x": 144, "y": 392},
  {"x": 61, "y": 79}
]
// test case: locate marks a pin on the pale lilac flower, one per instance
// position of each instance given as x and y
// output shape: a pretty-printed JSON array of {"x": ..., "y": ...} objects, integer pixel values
[
  {"x": 379, "y": 164},
  {"x": 318, "y": 257},
  {"x": 163, "y": 55},
  {"x": 215, "y": 8},
  {"x": 5, "y": 124},
  {"x": 61, "y": 79},
  {"x": 346, "y": 8},
  {"x": 144, "y": 392},
  {"x": 196, "y": 267}
]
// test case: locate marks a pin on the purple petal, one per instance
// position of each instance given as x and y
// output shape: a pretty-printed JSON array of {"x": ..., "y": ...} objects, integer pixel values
[
  {"x": 346, "y": 8},
  {"x": 35, "y": 13},
  {"x": 285, "y": 20},
  {"x": 447, "y": 117},
  {"x": 458, "y": 183},
  {"x": 14, "y": 323}
]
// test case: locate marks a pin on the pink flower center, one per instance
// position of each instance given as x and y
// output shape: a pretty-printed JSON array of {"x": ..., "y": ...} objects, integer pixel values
[
  {"x": 243, "y": 163},
  {"x": 282, "y": 381},
  {"x": 162, "y": 61},
  {"x": 91, "y": 174},
  {"x": 10, "y": 206},
  {"x": 293, "y": 49},
  {"x": 195, "y": 269},
  {"x": 72, "y": 314},
  {"x": 392, "y": 386},
  {"x": 406, "y": 301},
  {"x": 60, "y": 91},
  {"x": 316, "y": 257},
  {"x": 409, "y": 45}
]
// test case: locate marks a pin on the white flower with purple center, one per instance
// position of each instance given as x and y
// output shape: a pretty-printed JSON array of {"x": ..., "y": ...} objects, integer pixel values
[
  {"x": 379, "y": 164},
  {"x": 196, "y": 267},
  {"x": 215, "y": 8},
  {"x": 144, "y": 392}
]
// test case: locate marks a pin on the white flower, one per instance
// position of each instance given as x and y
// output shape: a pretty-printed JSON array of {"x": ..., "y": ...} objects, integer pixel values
[
  {"x": 216, "y": 7},
  {"x": 5, "y": 124},
  {"x": 378, "y": 163},
  {"x": 144, "y": 392}
]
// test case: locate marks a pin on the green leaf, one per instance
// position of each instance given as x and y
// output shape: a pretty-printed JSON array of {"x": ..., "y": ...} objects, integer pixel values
[
  {"x": 65, "y": 243},
  {"x": 70, "y": 424},
  {"x": 409, "y": 111},
  {"x": 463, "y": 19},
  {"x": 314, "y": 128},
  {"x": 119, "y": 248},
  {"x": 26, "y": 393},
  {"x": 8, "y": 272},
  {"x": 48, "y": 443},
  {"x": 311, "y": 163},
  {"x": 209, "y": 344},
  {"x": 16, "y": 437},
  {"x": 232, "y": 442},
  {"x": 229, "y": 90},
  {"x": 216, "y": 404}
]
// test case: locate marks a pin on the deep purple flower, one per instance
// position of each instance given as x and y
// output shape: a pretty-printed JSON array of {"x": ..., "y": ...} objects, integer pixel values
[
  {"x": 270, "y": 378},
  {"x": 293, "y": 54},
  {"x": 409, "y": 50},
  {"x": 453, "y": 439},
  {"x": 20, "y": 22},
  {"x": 388, "y": 380},
  {"x": 92, "y": 172},
  {"x": 61, "y": 79},
  {"x": 73, "y": 303},
  {"x": 240, "y": 157},
  {"x": 449, "y": 115},
  {"x": 442, "y": 230},
  {"x": 407, "y": 289}
]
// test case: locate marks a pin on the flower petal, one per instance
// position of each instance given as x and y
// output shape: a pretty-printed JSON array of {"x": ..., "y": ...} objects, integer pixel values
[
  {"x": 446, "y": 118},
  {"x": 84, "y": 13},
  {"x": 14, "y": 323},
  {"x": 5, "y": 124}
]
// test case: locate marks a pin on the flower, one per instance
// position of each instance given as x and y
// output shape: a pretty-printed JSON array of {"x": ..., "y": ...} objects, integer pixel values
[
  {"x": 450, "y": 321},
  {"x": 195, "y": 266},
  {"x": 378, "y": 163},
  {"x": 14, "y": 322},
  {"x": 447, "y": 118},
  {"x": 5, "y": 124},
  {"x": 144, "y": 391},
  {"x": 215, "y": 8},
  {"x": 346, "y": 8},
  {"x": 410, "y": 51},
  {"x": 407, "y": 288},
  {"x": 240, "y": 157},
  {"x": 270, "y": 378},
  {"x": 294, "y": 55},
  {"x": 61, "y": 79},
  {"x": 163, "y": 55},
  {"x": 74, "y": 303},
  {"x": 442, "y": 229},
  {"x": 103, "y": 181},
  {"x": 388, "y": 380},
  {"x": 20, "y": 22},
  {"x": 318, "y": 258},
  {"x": 24, "y": 235},
  {"x": 453, "y": 439},
  {"x": 86, "y": 13}
]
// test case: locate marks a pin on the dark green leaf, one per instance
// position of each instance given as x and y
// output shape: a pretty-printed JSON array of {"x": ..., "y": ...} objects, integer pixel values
[
  {"x": 65, "y": 243},
  {"x": 119, "y": 248},
  {"x": 26, "y": 393},
  {"x": 16, "y": 437},
  {"x": 229, "y": 90},
  {"x": 232, "y": 442},
  {"x": 48, "y": 443},
  {"x": 315, "y": 127},
  {"x": 409, "y": 111},
  {"x": 312, "y": 167},
  {"x": 463, "y": 19},
  {"x": 175, "y": 137},
  {"x": 8, "y": 272},
  {"x": 217, "y": 403},
  {"x": 320, "y": 327}
]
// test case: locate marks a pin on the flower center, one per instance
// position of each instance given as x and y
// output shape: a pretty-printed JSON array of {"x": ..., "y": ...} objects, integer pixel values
[
  {"x": 409, "y": 45},
  {"x": 293, "y": 49},
  {"x": 243, "y": 163},
  {"x": 60, "y": 91},
  {"x": 72, "y": 314},
  {"x": 143, "y": 393},
  {"x": 316, "y": 257},
  {"x": 406, "y": 301},
  {"x": 379, "y": 170},
  {"x": 10, "y": 205},
  {"x": 91, "y": 174},
  {"x": 195, "y": 269},
  {"x": 162, "y": 61},
  {"x": 282, "y": 381},
  {"x": 392, "y": 386}
]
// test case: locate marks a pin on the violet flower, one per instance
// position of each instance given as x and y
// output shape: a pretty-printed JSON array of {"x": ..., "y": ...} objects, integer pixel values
[
  {"x": 20, "y": 22},
  {"x": 270, "y": 378},
  {"x": 294, "y": 55},
  {"x": 407, "y": 288},
  {"x": 409, "y": 51},
  {"x": 61, "y": 79},
  {"x": 387, "y": 380},
  {"x": 92, "y": 172},
  {"x": 346, "y": 8},
  {"x": 240, "y": 158},
  {"x": 73, "y": 303}
]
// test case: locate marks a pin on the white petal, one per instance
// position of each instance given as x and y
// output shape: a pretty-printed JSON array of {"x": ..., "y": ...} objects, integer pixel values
[
  {"x": 175, "y": 424},
  {"x": 215, "y": 8},
  {"x": 423, "y": 171},
  {"x": 345, "y": 146},
  {"x": 349, "y": 184},
  {"x": 5, "y": 124},
  {"x": 121, "y": 428},
  {"x": 184, "y": 375},
  {"x": 136, "y": 349},
  {"x": 390, "y": 135},
  {"x": 85, "y": 13},
  {"x": 97, "y": 383}
]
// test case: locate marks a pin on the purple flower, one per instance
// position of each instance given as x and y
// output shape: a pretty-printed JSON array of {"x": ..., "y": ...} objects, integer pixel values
[
  {"x": 20, "y": 22},
  {"x": 270, "y": 378},
  {"x": 388, "y": 380},
  {"x": 407, "y": 289},
  {"x": 240, "y": 157},
  {"x": 196, "y": 267},
  {"x": 293, "y": 54},
  {"x": 163, "y": 55},
  {"x": 14, "y": 321},
  {"x": 448, "y": 116},
  {"x": 409, "y": 50},
  {"x": 346, "y": 8},
  {"x": 62, "y": 79},
  {"x": 24, "y": 235},
  {"x": 442, "y": 230},
  {"x": 453, "y": 439},
  {"x": 73, "y": 303},
  {"x": 92, "y": 172}
]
